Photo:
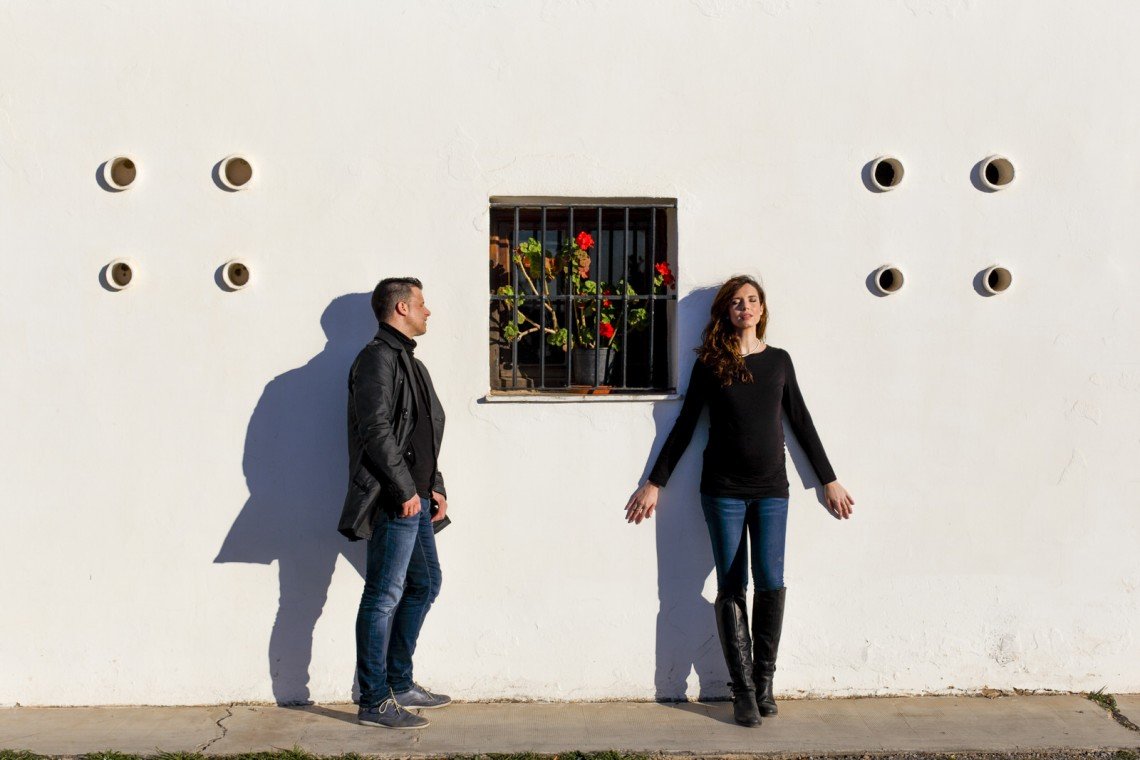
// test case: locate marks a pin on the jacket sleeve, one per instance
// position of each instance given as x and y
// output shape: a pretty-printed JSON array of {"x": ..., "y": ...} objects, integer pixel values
[
  {"x": 800, "y": 420},
  {"x": 373, "y": 399},
  {"x": 437, "y": 483},
  {"x": 695, "y": 397}
]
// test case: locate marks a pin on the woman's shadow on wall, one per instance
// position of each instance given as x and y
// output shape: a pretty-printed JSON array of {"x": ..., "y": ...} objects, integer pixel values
[
  {"x": 296, "y": 466},
  {"x": 686, "y": 636}
]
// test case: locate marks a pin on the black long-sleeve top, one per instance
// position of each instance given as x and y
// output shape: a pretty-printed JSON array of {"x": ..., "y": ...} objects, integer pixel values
[{"x": 744, "y": 457}]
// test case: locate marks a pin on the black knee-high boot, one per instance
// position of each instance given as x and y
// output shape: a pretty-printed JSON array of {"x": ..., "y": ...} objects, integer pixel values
[
  {"x": 732, "y": 625},
  {"x": 767, "y": 621}
]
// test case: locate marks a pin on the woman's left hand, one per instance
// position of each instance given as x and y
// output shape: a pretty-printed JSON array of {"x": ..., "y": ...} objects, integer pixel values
[{"x": 839, "y": 502}]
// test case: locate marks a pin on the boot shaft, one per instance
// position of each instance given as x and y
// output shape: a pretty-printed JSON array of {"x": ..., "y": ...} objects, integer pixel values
[
  {"x": 767, "y": 624},
  {"x": 732, "y": 626}
]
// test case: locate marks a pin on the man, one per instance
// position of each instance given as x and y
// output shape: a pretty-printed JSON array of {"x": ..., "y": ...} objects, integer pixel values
[{"x": 395, "y": 425}]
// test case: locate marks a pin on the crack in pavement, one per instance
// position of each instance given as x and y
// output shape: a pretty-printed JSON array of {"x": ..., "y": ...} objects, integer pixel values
[
  {"x": 218, "y": 723},
  {"x": 1113, "y": 709},
  {"x": 1123, "y": 720}
]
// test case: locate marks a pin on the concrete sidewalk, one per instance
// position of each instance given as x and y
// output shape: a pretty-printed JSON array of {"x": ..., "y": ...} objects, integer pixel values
[{"x": 847, "y": 726}]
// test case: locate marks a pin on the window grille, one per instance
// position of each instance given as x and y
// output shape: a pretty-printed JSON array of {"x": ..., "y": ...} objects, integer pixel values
[{"x": 582, "y": 295}]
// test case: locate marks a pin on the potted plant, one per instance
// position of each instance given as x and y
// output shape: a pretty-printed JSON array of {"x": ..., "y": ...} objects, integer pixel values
[{"x": 594, "y": 335}]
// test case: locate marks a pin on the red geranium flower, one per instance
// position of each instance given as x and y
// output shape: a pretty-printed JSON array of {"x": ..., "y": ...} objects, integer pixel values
[
  {"x": 666, "y": 273},
  {"x": 585, "y": 242},
  {"x": 606, "y": 330},
  {"x": 605, "y": 301}
]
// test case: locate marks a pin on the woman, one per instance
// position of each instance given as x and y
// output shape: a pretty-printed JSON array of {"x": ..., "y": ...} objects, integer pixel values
[{"x": 746, "y": 384}]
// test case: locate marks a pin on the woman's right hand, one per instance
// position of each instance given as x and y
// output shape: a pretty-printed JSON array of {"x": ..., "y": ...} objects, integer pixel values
[{"x": 642, "y": 504}]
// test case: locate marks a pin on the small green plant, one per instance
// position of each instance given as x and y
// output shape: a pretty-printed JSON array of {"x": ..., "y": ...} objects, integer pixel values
[
  {"x": 109, "y": 754},
  {"x": 572, "y": 755},
  {"x": 18, "y": 754},
  {"x": 1107, "y": 701}
]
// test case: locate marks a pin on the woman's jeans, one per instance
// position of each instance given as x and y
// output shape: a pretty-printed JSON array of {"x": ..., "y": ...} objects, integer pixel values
[
  {"x": 733, "y": 523},
  {"x": 401, "y": 581}
]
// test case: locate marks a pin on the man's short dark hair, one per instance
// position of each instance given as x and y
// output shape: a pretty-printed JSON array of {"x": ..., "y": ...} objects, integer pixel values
[{"x": 390, "y": 292}]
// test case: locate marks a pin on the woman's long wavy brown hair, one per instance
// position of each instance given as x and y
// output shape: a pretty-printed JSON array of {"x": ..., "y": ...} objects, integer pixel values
[{"x": 720, "y": 349}]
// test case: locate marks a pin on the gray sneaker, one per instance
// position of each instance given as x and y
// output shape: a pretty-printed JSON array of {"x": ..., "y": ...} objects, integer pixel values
[
  {"x": 389, "y": 715},
  {"x": 421, "y": 699}
]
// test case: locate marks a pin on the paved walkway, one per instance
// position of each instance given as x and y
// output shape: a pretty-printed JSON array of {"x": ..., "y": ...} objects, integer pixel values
[{"x": 902, "y": 724}]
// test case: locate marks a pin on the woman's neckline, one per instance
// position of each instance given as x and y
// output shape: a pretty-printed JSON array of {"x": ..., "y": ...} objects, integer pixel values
[{"x": 756, "y": 353}]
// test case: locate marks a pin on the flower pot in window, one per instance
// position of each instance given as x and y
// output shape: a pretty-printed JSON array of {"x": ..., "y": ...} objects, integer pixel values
[{"x": 591, "y": 366}]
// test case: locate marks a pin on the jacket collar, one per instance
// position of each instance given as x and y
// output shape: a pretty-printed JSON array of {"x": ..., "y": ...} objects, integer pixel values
[{"x": 395, "y": 338}]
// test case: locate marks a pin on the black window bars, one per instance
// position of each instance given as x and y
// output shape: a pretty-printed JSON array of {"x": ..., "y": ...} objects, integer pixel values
[{"x": 580, "y": 295}]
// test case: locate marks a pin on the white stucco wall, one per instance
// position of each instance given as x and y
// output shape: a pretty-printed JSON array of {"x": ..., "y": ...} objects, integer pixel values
[{"x": 173, "y": 454}]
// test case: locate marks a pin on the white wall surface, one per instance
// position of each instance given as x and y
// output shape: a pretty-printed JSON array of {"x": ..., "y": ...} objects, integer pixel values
[{"x": 173, "y": 455}]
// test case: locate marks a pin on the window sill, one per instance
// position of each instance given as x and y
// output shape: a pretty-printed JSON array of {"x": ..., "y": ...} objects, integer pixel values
[{"x": 575, "y": 398}]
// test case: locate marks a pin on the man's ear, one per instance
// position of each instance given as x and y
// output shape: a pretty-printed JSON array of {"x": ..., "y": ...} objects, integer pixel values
[{"x": 401, "y": 308}]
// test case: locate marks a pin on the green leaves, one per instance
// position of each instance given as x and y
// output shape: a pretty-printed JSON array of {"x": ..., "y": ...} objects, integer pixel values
[
  {"x": 557, "y": 337},
  {"x": 531, "y": 257},
  {"x": 531, "y": 246}
]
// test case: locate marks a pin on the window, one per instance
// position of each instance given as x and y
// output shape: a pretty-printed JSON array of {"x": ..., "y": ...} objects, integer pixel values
[{"x": 582, "y": 295}]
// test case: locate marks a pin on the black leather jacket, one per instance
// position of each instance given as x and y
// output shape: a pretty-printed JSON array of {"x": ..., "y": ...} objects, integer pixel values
[{"x": 381, "y": 417}]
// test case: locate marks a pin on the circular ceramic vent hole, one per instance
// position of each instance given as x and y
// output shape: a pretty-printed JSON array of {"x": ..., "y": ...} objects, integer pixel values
[
  {"x": 119, "y": 172},
  {"x": 997, "y": 172},
  {"x": 997, "y": 279},
  {"x": 120, "y": 273},
  {"x": 886, "y": 173},
  {"x": 888, "y": 279},
  {"x": 235, "y": 274},
  {"x": 236, "y": 172},
  {"x": 123, "y": 171}
]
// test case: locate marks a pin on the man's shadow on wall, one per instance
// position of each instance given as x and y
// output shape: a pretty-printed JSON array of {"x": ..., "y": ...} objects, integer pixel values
[
  {"x": 686, "y": 636},
  {"x": 296, "y": 468}
]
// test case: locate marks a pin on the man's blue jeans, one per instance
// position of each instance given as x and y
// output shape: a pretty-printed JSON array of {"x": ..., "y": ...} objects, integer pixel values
[
  {"x": 401, "y": 581},
  {"x": 733, "y": 523}
]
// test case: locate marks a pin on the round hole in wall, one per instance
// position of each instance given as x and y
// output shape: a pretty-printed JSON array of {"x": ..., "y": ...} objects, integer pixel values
[
  {"x": 235, "y": 274},
  {"x": 886, "y": 173},
  {"x": 236, "y": 172},
  {"x": 997, "y": 172},
  {"x": 119, "y": 172},
  {"x": 120, "y": 273},
  {"x": 996, "y": 279},
  {"x": 888, "y": 279},
  {"x": 123, "y": 171}
]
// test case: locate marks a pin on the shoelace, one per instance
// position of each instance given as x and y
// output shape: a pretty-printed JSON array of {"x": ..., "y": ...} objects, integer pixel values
[{"x": 395, "y": 704}]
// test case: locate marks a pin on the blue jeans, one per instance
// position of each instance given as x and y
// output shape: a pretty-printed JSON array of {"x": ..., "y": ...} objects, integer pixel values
[
  {"x": 766, "y": 521},
  {"x": 401, "y": 581}
]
